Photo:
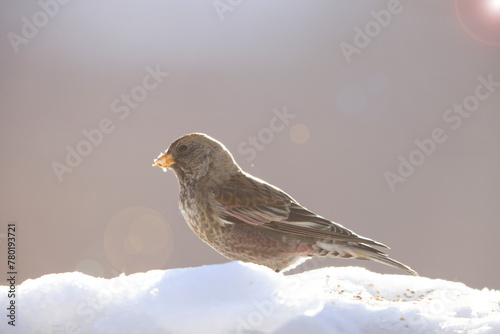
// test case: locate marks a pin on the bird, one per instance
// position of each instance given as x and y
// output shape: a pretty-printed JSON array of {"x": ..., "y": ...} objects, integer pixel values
[{"x": 247, "y": 219}]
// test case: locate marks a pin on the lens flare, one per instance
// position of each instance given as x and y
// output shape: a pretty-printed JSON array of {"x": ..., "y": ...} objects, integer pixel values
[
  {"x": 494, "y": 5},
  {"x": 138, "y": 239},
  {"x": 480, "y": 19}
]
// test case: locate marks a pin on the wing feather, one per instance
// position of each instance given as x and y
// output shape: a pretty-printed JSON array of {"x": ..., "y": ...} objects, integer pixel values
[{"x": 248, "y": 200}]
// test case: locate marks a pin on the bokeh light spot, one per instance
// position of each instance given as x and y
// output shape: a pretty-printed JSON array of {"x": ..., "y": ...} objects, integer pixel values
[
  {"x": 299, "y": 133},
  {"x": 362, "y": 93},
  {"x": 133, "y": 244},
  {"x": 138, "y": 239},
  {"x": 351, "y": 99}
]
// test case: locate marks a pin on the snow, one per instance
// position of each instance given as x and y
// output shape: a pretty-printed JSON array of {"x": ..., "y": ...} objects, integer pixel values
[{"x": 244, "y": 298}]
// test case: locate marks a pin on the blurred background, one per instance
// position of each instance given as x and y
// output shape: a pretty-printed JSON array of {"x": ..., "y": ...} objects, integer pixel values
[{"x": 383, "y": 116}]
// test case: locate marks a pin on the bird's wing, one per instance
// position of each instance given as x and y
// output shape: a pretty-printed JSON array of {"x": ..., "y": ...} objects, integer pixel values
[{"x": 248, "y": 200}]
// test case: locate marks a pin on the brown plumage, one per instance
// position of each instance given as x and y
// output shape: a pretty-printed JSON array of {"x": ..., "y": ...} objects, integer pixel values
[{"x": 247, "y": 219}]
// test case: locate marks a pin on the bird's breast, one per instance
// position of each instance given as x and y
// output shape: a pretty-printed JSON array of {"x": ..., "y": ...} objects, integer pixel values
[{"x": 201, "y": 216}]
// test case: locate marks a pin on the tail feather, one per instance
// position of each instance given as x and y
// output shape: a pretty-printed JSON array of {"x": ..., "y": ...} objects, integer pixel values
[
  {"x": 363, "y": 252},
  {"x": 380, "y": 257}
]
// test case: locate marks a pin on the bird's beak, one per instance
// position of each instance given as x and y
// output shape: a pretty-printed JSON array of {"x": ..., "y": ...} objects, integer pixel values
[{"x": 164, "y": 161}]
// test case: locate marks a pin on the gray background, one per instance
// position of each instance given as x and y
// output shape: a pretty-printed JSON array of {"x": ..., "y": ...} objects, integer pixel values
[{"x": 227, "y": 73}]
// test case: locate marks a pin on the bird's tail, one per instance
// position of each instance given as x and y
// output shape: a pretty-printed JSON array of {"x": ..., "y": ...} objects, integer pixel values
[{"x": 363, "y": 252}]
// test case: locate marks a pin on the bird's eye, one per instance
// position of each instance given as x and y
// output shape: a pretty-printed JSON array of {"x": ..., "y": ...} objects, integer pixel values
[{"x": 183, "y": 148}]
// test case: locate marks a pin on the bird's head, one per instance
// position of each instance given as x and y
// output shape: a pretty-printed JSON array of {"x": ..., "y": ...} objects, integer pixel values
[{"x": 192, "y": 156}]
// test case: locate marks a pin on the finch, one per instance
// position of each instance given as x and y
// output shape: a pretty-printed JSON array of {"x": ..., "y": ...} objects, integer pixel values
[{"x": 247, "y": 219}]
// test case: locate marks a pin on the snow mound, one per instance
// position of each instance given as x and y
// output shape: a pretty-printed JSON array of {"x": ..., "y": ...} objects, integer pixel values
[{"x": 242, "y": 298}]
